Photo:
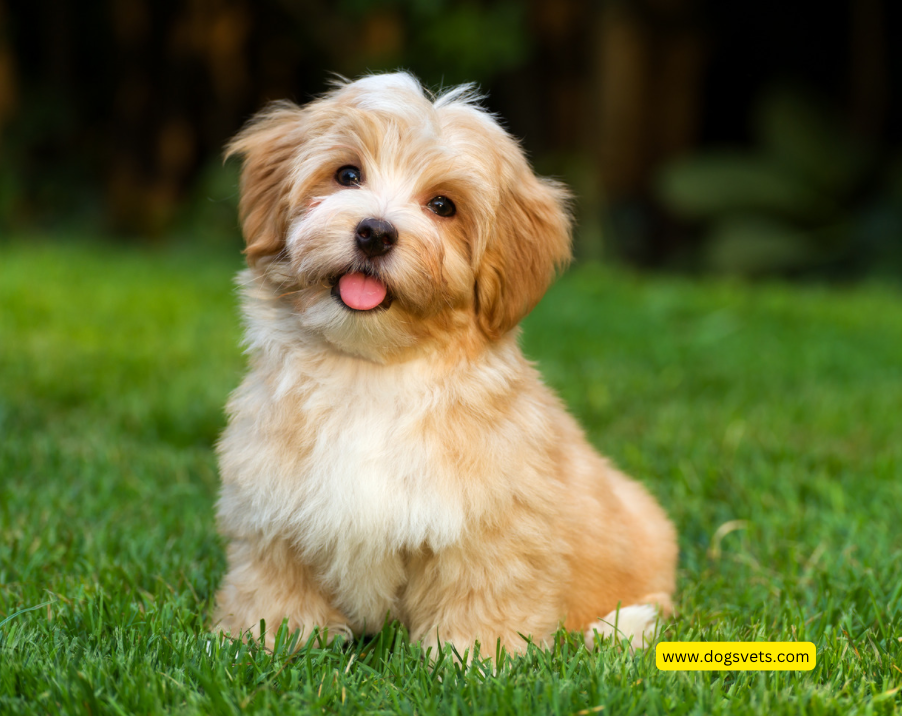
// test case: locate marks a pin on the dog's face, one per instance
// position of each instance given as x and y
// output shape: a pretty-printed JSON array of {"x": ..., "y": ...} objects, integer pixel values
[{"x": 393, "y": 222}]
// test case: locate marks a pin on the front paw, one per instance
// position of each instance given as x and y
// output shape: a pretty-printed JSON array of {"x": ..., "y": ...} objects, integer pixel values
[
  {"x": 466, "y": 649},
  {"x": 269, "y": 631}
]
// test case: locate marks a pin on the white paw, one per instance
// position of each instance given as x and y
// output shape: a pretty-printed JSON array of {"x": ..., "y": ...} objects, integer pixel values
[{"x": 639, "y": 623}]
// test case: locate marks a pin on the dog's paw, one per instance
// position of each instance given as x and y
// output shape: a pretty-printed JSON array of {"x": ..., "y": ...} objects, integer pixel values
[
  {"x": 640, "y": 624},
  {"x": 461, "y": 649}
]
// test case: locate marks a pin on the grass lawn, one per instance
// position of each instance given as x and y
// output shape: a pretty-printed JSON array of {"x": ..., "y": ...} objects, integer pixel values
[{"x": 767, "y": 419}]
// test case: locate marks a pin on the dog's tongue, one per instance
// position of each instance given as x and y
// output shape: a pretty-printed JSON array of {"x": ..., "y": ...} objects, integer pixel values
[{"x": 360, "y": 291}]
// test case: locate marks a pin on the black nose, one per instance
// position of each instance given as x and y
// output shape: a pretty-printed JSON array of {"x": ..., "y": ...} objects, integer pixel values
[{"x": 376, "y": 237}]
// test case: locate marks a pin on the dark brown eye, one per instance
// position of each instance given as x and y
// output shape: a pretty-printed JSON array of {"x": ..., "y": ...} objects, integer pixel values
[
  {"x": 442, "y": 206},
  {"x": 349, "y": 176}
]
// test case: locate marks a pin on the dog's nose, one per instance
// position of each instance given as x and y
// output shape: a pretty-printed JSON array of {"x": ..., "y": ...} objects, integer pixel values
[{"x": 376, "y": 237}]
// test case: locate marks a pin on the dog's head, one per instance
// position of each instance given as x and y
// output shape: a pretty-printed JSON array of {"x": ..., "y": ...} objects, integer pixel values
[{"x": 391, "y": 220}]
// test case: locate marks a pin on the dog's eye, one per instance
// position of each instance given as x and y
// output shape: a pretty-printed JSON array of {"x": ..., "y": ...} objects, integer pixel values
[
  {"x": 348, "y": 176},
  {"x": 442, "y": 206}
]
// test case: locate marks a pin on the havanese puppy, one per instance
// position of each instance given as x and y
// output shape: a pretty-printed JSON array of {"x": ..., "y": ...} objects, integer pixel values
[{"x": 391, "y": 453}]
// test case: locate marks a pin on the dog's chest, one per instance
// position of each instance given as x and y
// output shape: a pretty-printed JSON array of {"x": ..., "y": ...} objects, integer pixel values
[
  {"x": 374, "y": 476},
  {"x": 374, "y": 486}
]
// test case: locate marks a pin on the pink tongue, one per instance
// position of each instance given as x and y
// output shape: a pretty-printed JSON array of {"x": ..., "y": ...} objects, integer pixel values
[{"x": 360, "y": 291}]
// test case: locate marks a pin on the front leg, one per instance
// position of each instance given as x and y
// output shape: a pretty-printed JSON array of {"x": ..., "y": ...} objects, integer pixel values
[
  {"x": 484, "y": 592},
  {"x": 270, "y": 582}
]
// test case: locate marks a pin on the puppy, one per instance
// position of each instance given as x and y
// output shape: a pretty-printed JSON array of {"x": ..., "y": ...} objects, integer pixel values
[{"x": 391, "y": 452}]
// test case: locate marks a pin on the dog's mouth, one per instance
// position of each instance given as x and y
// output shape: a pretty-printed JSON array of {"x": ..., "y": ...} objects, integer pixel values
[{"x": 362, "y": 292}]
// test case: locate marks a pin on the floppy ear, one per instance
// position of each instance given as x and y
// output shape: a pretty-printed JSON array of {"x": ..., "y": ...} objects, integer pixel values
[
  {"x": 531, "y": 242},
  {"x": 268, "y": 143}
]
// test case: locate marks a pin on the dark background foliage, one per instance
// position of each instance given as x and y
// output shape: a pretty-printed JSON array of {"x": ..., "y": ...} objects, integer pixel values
[{"x": 752, "y": 137}]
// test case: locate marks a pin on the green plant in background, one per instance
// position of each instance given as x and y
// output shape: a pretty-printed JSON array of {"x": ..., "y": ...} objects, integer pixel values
[
  {"x": 808, "y": 197},
  {"x": 447, "y": 43},
  {"x": 209, "y": 216}
]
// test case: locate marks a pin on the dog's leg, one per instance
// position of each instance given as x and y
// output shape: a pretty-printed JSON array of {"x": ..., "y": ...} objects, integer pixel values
[
  {"x": 273, "y": 584},
  {"x": 464, "y": 596}
]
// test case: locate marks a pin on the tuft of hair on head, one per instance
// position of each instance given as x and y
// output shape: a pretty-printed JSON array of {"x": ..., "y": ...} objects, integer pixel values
[
  {"x": 267, "y": 144},
  {"x": 381, "y": 82},
  {"x": 467, "y": 94},
  {"x": 385, "y": 92}
]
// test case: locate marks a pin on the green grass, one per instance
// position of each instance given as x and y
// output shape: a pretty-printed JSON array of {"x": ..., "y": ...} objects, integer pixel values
[{"x": 776, "y": 406}]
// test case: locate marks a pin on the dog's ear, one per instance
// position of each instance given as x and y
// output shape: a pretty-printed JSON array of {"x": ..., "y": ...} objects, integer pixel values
[
  {"x": 531, "y": 242},
  {"x": 268, "y": 145}
]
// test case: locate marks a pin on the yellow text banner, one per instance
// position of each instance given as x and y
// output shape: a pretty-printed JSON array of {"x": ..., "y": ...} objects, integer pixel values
[{"x": 735, "y": 655}]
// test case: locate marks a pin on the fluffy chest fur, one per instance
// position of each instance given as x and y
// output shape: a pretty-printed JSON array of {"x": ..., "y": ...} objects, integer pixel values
[{"x": 352, "y": 464}]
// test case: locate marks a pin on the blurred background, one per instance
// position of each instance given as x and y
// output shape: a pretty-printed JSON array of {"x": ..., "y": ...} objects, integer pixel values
[{"x": 751, "y": 137}]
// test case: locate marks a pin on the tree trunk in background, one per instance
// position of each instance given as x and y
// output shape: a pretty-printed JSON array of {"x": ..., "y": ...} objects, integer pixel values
[
  {"x": 646, "y": 76},
  {"x": 869, "y": 68},
  {"x": 8, "y": 93},
  {"x": 184, "y": 79},
  {"x": 552, "y": 95}
]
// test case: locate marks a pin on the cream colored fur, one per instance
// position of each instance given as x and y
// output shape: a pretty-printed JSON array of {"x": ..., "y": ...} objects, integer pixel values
[{"x": 408, "y": 461}]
